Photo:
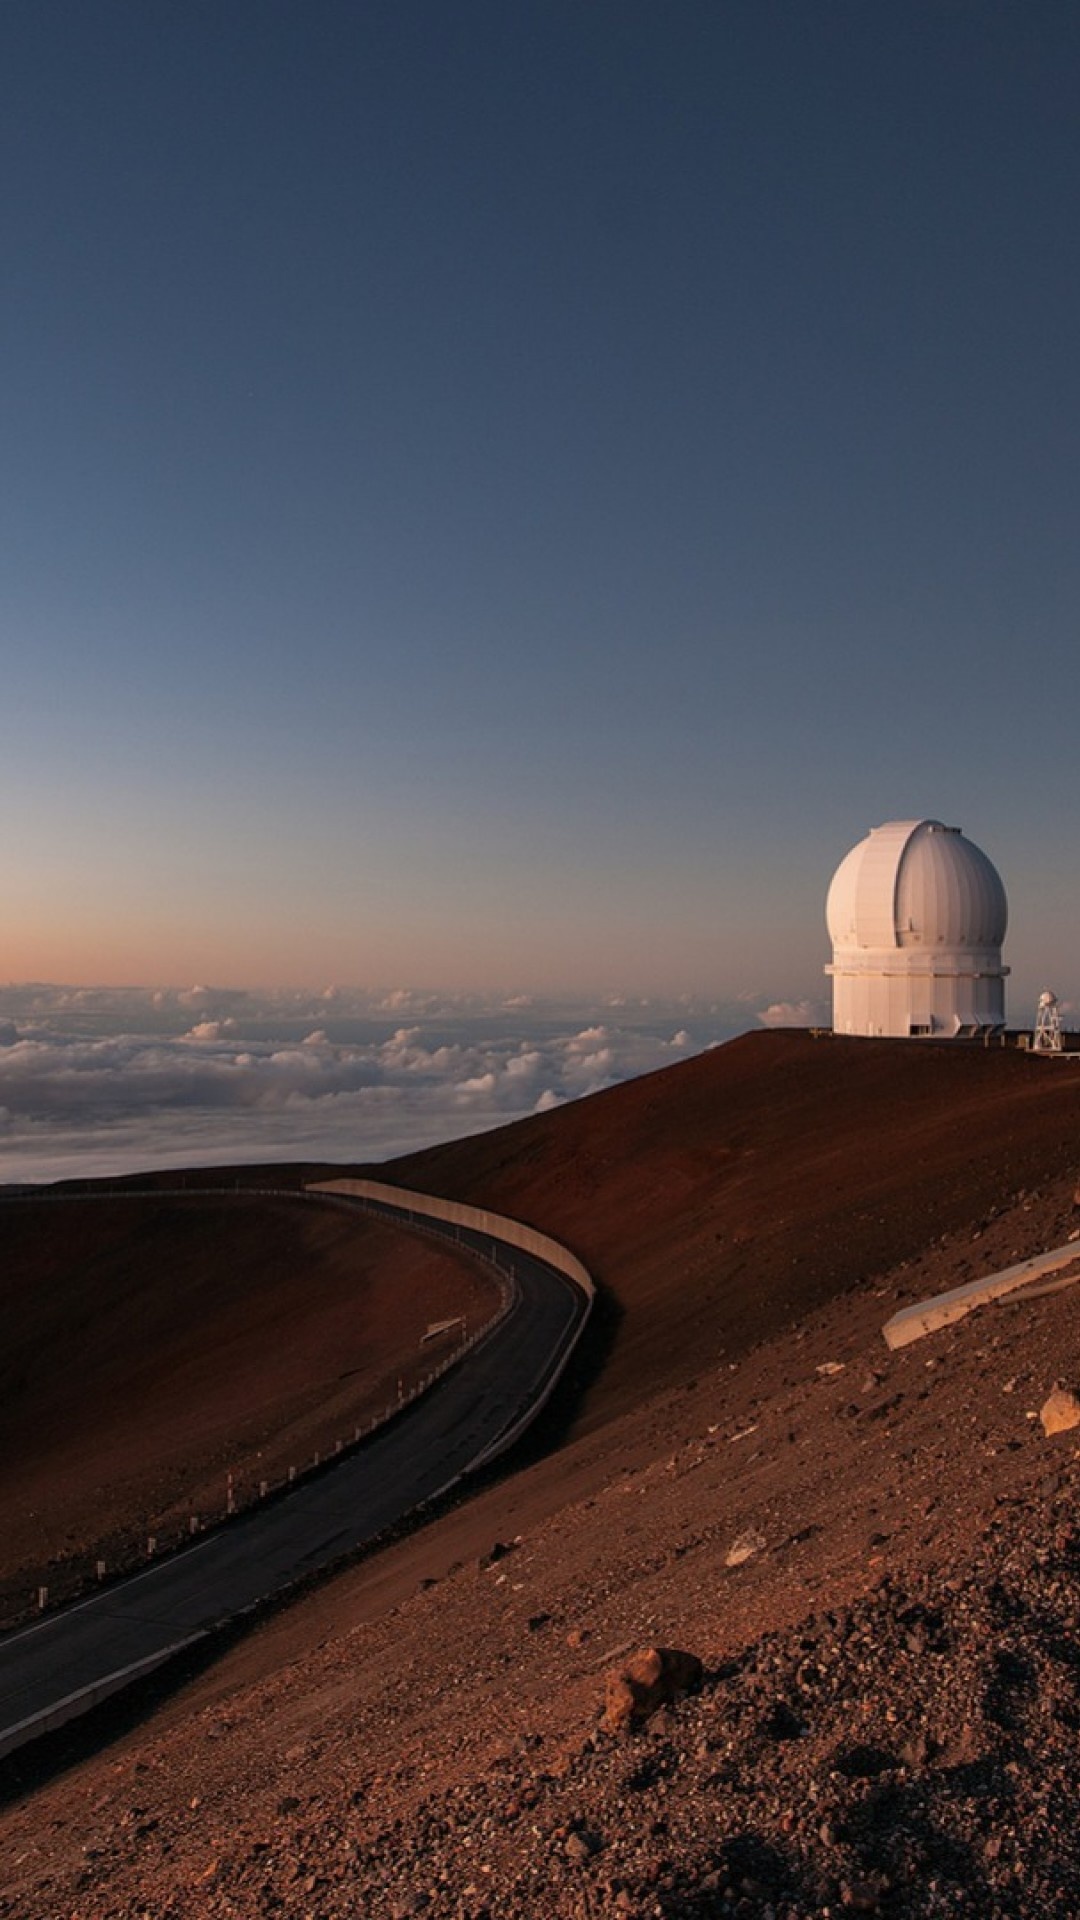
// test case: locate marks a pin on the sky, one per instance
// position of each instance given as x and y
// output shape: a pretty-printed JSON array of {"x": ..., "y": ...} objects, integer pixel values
[{"x": 498, "y": 498}]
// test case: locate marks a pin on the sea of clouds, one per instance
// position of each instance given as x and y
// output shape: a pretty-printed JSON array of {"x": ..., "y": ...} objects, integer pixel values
[{"x": 96, "y": 1082}]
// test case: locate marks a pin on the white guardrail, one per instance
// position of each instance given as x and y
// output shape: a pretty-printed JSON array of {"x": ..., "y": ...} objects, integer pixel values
[
  {"x": 514, "y": 1233},
  {"x": 480, "y": 1219}
]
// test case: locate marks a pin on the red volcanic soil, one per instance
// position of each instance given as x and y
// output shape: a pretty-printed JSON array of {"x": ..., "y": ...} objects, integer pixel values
[
  {"x": 720, "y": 1200},
  {"x": 154, "y": 1345},
  {"x": 875, "y": 1555}
]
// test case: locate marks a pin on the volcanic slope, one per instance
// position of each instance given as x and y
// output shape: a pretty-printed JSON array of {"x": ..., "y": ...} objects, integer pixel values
[
  {"x": 153, "y": 1346},
  {"x": 875, "y": 1554},
  {"x": 719, "y": 1200},
  {"x": 156, "y": 1344}
]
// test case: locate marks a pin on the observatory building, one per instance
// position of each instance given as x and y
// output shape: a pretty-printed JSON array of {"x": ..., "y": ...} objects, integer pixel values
[{"x": 916, "y": 916}]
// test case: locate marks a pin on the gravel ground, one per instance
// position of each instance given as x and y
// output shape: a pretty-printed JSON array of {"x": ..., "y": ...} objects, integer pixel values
[{"x": 875, "y": 1555}]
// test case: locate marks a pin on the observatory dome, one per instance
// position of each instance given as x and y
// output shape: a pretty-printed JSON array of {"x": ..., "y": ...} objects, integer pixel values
[{"x": 917, "y": 915}]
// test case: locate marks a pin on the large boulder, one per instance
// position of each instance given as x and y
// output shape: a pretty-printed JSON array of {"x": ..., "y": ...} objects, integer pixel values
[{"x": 652, "y": 1678}]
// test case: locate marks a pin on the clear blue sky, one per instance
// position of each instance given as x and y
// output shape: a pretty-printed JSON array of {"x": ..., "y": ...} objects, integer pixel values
[{"x": 510, "y": 492}]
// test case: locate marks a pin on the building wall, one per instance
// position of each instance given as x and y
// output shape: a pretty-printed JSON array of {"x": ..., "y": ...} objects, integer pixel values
[{"x": 876, "y": 993}]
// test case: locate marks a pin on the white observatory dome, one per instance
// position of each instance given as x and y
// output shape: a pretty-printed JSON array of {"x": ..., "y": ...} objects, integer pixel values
[{"x": 917, "y": 916}]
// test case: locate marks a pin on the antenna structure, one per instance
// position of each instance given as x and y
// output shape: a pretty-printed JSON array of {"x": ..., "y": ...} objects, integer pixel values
[{"x": 1047, "y": 1037}]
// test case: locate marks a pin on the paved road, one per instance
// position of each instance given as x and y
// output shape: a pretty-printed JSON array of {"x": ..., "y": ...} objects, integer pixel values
[{"x": 66, "y": 1662}]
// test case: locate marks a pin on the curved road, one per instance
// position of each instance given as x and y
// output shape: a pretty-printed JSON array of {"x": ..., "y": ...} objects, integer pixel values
[{"x": 67, "y": 1662}]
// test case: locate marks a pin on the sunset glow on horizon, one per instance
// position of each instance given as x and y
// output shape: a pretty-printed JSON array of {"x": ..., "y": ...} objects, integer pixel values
[{"x": 500, "y": 500}]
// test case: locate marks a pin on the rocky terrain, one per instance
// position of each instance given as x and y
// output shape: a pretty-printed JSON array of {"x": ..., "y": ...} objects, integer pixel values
[{"x": 874, "y": 1555}]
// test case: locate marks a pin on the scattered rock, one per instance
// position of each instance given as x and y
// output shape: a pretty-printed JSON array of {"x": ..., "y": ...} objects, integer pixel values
[
  {"x": 744, "y": 1548},
  {"x": 407, "y": 1904},
  {"x": 782, "y": 1722},
  {"x": 861, "y": 1896},
  {"x": 861, "y": 1761},
  {"x": 651, "y": 1679},
  {"x": 1061, "y": 1411},
  {"x": 918, "y": 1750},
  {"x": 895, "y": 1740}
]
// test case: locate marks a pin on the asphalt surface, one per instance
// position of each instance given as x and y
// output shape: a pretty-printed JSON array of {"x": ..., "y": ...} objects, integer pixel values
[{"x": 67, "y": 1661}]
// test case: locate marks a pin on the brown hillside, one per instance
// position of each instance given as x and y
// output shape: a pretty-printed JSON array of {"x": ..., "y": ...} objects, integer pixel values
[
  {"x": 875, "y": 1555},
  {"x": 721, "y": 1199},
  {"x": 717, "y": 1202},
  {"x": 153, "y": 1345}
]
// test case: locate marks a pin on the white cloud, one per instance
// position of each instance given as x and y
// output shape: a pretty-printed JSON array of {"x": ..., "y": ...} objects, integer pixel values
[
  {"x": 789, "y": 1013},
  {"x": 524, "y": 1065},
  {"x": 99, "y": 1082},
  {"x": 480, "y": 1083},
  {"x": 211, "y": 997},
  {"x": 587, "y": 1039},
  {"x": 406, "y": 1000},
  {"x": 207, "y": 1031}
]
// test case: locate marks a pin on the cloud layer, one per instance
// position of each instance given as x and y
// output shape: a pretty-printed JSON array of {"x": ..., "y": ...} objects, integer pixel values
[{"x": 95, "y": 1083}]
